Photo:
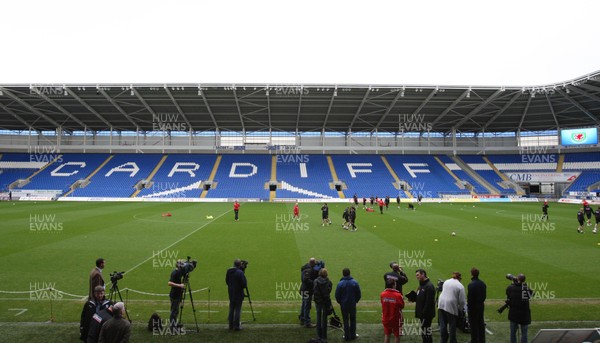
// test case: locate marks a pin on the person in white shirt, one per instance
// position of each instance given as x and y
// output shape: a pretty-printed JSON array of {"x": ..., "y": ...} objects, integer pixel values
[{"x": 451, "y": 302}]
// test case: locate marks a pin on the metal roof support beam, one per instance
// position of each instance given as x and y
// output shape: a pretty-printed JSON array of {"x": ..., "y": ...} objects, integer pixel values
[
  {"x": 178, "y": 108},
  {"x": 210, "y": 112},
  {"x": 390, "y": 107},
  {"x": 88, "y": 107},
  {"x": 269, "y": 111},
  {"x": 16, "y": 116},
  {"x": 504, "y": 108},
  {"x": 579, "y": 106},
  {"x": 333, "y": 95},
  {"x": 114, "y": 103},
  {"x": 362, "y": 103},
  {"x": 141, "y": 99},
  {"x": 60, "y": 108},
  {"x": 524, "y": 114},
  {"x": 29, "y": 107},
  {"x": 579, "y": 91},
  {"x": 450, "y": 108},
  {"x": 478, "y": 108},
  {"x": 237, "y": 104},
  {"x": 299, "y": 107},
  {"x": 552, "y": 111},
  {"x": 590, "y": 87}
]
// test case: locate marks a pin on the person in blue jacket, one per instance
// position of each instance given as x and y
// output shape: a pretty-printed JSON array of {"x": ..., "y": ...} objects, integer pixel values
[{"x": 347, "y": 294}]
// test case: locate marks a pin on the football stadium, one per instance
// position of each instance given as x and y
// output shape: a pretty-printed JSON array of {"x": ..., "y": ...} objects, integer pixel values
[{"x": 153, "y": 178}]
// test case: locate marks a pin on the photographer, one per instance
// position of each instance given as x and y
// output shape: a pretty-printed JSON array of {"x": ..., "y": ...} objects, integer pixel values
[
  {"x": 397, "y": 275},
  {"x": 236, "y": 283},
  {"x": 92, "y": 306},
  {"x": 309, "y": 273},
  {"x": 176, "y": 293},
  {"x": 451, "y": 302},
  {"x": 518, "y": 295}
]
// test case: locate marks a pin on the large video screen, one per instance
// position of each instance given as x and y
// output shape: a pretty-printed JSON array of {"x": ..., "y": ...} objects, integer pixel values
[{"x": 579, "y": 136}]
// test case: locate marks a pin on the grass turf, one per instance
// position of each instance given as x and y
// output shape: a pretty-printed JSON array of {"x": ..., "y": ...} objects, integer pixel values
[{"x": 54, "y": 244}]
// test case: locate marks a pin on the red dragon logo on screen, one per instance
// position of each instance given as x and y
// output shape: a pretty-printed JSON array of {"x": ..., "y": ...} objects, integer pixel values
[{"x": 578, "y": 137}]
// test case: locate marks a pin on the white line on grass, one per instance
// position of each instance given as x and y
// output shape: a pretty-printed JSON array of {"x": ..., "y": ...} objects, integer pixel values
[{"x": 177, "y": 241}]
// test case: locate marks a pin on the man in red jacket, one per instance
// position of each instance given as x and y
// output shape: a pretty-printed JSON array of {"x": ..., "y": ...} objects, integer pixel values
[
  {"x": 296, "y": 212},
  {"x": 236, "y": 209},
  {"x": 392, "y": 304}
]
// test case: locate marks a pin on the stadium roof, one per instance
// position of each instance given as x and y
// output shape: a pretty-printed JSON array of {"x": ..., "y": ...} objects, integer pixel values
[{"x": 301, "y": 108}]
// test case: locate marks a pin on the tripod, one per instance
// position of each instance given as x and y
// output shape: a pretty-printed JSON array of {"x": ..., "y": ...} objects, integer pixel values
[
  {"x": 114, "y": 291},
  {"x": 187, "y": 287},
  {"x": 247, "y": 295}
]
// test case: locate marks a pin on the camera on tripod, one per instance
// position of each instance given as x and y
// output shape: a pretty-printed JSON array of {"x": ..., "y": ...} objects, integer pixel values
[
  {"x": 188, "y": 265},
  {"x": 243, "y": 265},
  {"x": 116, "y": 276},
  {"x": 440, "y": 285}
]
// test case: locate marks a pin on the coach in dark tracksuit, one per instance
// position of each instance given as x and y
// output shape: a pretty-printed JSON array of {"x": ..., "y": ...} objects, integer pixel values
[
  {"x": 475, "y": 305},
  {"x": 236, "y": 282}
]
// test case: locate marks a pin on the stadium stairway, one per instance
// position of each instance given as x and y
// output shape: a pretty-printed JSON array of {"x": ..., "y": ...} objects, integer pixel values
[
  {"x": 211, "y": 178},
  {"x": 458, "y": 180},
  {"x": 472, "y": 173},
  {"x": 560, "y": 163},
  {"x": 87, "y": 179},
  {"x": 149, "y": 178},
  {"x": 395, "y": 176},
  {"x": 273, "y": 193},
  {"x": 504, "y": 178},
  {"x": 334, "y": 176}
]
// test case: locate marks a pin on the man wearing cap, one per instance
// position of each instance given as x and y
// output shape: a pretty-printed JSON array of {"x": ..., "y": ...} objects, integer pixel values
[
  {"x": 117, "y": 329},
  {"x": 96, "y": 278},
  {"x": 452, "y": 300}
]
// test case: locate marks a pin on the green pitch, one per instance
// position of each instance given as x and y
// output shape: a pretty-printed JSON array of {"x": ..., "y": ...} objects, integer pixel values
[{"x": 55, "y": 244}]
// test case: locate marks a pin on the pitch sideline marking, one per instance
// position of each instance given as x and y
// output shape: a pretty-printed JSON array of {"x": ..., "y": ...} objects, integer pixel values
[
  {"x": 21, "y": 311},
  {"x": 177, "y": 241}
]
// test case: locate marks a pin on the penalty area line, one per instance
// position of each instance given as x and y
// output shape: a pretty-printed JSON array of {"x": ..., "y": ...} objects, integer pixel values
[{"x": 176, "y": 242}]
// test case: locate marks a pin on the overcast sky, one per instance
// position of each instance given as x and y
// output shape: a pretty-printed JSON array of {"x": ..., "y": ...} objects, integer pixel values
[{"x": 334, "y": 42}]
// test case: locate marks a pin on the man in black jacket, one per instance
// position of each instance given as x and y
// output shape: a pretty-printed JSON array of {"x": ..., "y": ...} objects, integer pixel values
[
  {"x": 519, "y": 313},
  {"x": 308, "y": 276},
  {"x": 91, "y": 307},
  {"x": 397, "y": 275},
  {"x": 236, "y": 283},
  {"x": 475, "y": 305},
  {"x": 425, "y": 305},
  {"x": 322, "y": 296}
]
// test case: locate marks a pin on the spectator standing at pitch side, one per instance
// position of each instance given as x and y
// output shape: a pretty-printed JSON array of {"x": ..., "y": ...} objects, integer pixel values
[
  {"x": 392, "y": 304},
  {"x": 518, "y": 295},
  {"x": 397, "y": 275},
  {"x": 425, "y": 305},
  {"x": 96, "y": 278},
  {"x": 475, "y": 305},
  {"x": 348, "y": 294},
  {"x": 451, "y": 302}
]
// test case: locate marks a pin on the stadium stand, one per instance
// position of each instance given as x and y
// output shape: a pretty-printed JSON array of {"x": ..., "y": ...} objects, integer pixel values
[
  {"x": 365, "y": 175},
  {"x": 118, "y": 177},
  {"x": 180, "y": 176},
  {"x": 65, "y": 170},
  {"x": 424, "y": 175},
  {"x": 589, "y": 165},
  {"x": 242, "y": 176},
  {"x": 304, "y": 176}
]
